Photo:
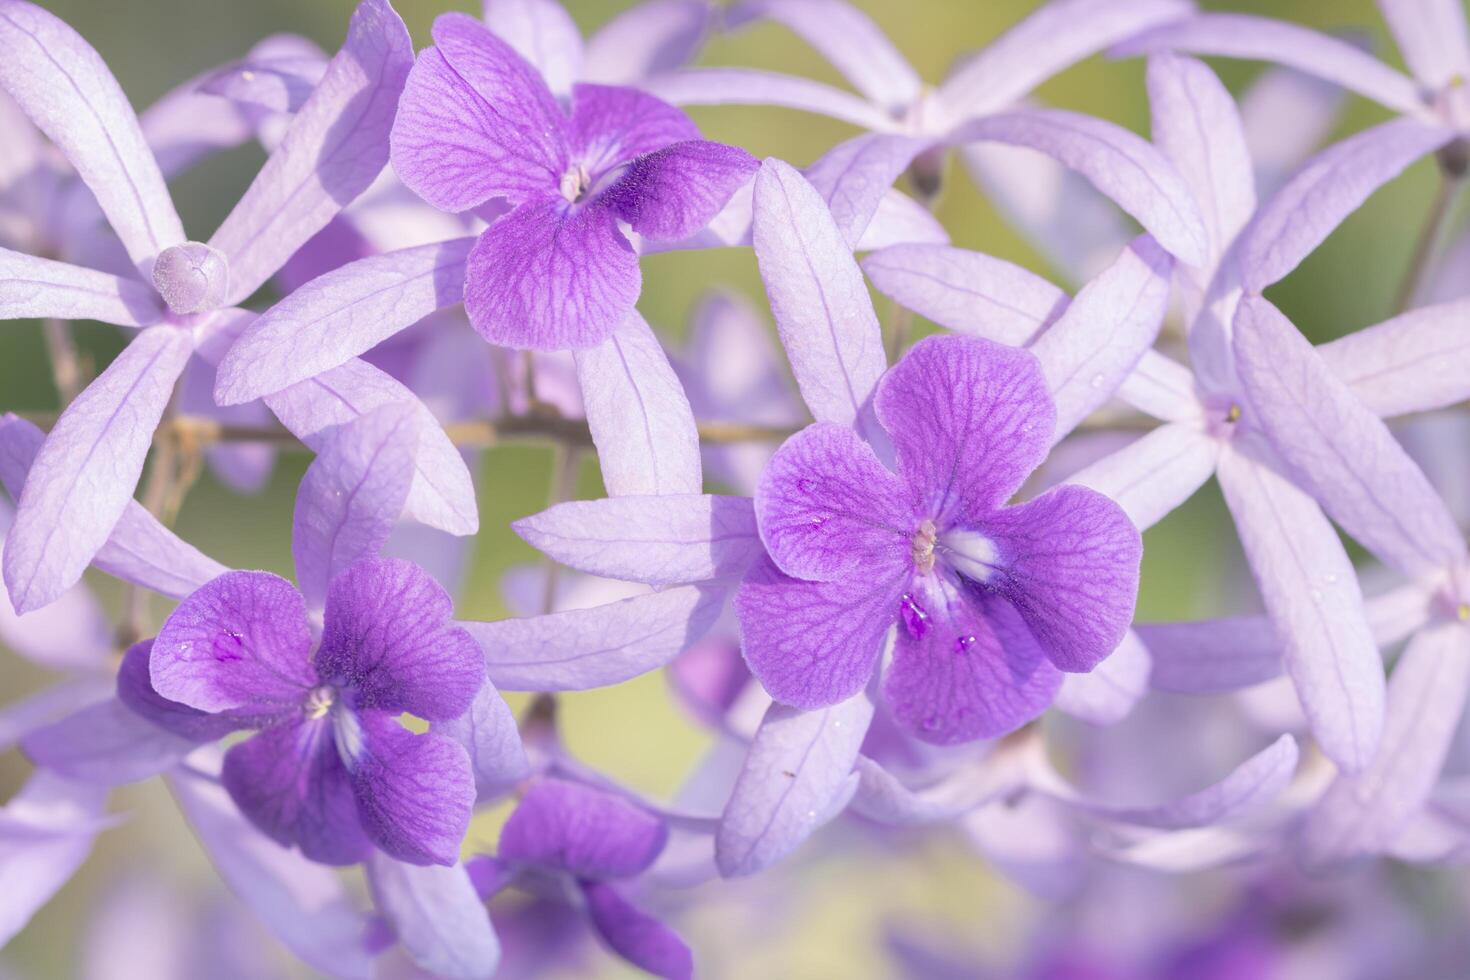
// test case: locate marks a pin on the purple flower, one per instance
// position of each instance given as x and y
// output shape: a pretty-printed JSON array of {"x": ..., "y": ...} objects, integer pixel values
[
  {"x": 993, "y": 600},
  {"x": 570, "y": 831},
  {"x": 330, "y": 769},
  {"x": 477, "y": 122}
]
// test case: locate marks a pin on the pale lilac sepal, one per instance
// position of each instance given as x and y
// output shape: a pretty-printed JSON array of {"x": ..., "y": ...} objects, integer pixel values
[{"x": 436, "y": 916}]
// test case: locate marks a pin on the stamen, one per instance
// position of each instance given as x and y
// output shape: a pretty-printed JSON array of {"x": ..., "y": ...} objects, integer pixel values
[
  {"x": 319, "y": 702},
  {"x": 1233, "y": 415},
  {"x": 1462, "y": 612},
  {"x": 923, "y": 547},
  {"x": 970, "y": 553},
  {"x": 574, "y": 183}
]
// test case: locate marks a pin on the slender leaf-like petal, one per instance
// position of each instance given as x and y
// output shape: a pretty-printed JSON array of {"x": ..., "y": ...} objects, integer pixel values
[
  {"x": 47, "y": 832},
  {"x": 1155, "y": 474},
  {"x": 441, "y": 495},
  {"x": 1163, "y": 388},
  {"x": 336, "y": 147},
  {"x": 1119, "y": 163},
  {"x": 84, "y": 474},
  {"x": 1213, "y": 655},
  {"x": 1415, "y": 362},
  {"x": 1326, "y": 190},
  {"x": 661, "y": 540},
  {"x": 1094, "y": 345},
  {"x": 882, "y": 797},
  {"x": 586, "y": 648},
  {"x": 544, "y": 34},
  {"x": 818, "y": 296},
  {"x": 1339, "y": 451},
  {"x": 967, "y": 291},
  {"x": 488, "y": 733},
  {"x": 34, "y": 287},
  {"x": 1433, "y": 38},
  {"x": 437, "y": 916},
  {"x": 853, "y": 177},
  {"x": 797, "y": 776},
  {"x": 651, "y": 37},
  {"x": 640, "y": 417},
  {"x": 749, "y": 86},
  {"x": 1311, "y": 591},
  {"x": 106, "y": 744},
  {"x": 1106, "y": 694},
  {"x": 340, "y": 315},
  {"x": 66, "y": 89}
]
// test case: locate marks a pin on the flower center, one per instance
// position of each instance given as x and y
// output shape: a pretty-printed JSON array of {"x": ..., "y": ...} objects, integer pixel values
[
  {"x": 970, "y": 553},
  {"x": 319, "y": 701},
  {"x": 574, "y": 183},
  {"x": 923, "y": 546}
]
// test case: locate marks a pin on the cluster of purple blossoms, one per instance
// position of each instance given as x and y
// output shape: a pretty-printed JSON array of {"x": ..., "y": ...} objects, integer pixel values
[{"x": 910, "y": 613}]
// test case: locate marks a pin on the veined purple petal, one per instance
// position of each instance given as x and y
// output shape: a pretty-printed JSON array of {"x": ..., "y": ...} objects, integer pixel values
[
  {"x": 1433, "y": 38},
  {"x": 846, "y": 37},
  {"x": 973, "y": 670},
  {"x": 970, "y": 419},
  {"x": 612, "y": 125},
  {"x": 970, "y": 292},
  {"x": 640, "y": 418},
  {"x": 290, "y": 782},
  {"x": 489, "y": 735},
  {"x": 139, "y": 549},
  {"x": 106, "y": 744},
  {"x": 390, "y": 635},
  {"x": 335, "y": 148},
  {"x": 587, "y": 833},
  {"x": 1311, "y": 591},
  {"x": 635, "y": 935},
  {"x": 1119, "y": 163},
  {"x": 653, "y": 36},
  {"x": 1162, "y": 387},
  {"x": 1417, "y": 361},
  {"x": 304, "y": 904},
  {"x": 750, "y": 86},
  {"x": 1264, "y": 39},
  {"x": 1095, "y": 343},
  {"x": 83, "y": 477},
  {"x": 1326, "y": 190},
  {"x": 817, "y": 295},
  {"x": 1339, "y": 451},
  {"x": 661, "y": 540},
  {"x": 351, "y": 496},
  {"x": 67, "y": 816},
  {"x": 1155, "y": 474},
  {"x": 1195, "y": 123},
  {"x": 855, "y": 176},
  {"x": 135, "y": 691},
  {"x": 436, "y": 916},
  {"x": 1068, "y": 561},
  {"x": 1362, "y": 813},
  {"x": 477, "y": 122},
  {"x": 66, "y": 89},
  {"x": 551, "y": 276},
  {"x": 814, "y": 644},
  {"x": 240, "y": 642},
  {"x": 35, "y": 287},
  {"x": 340, "y": 315},
  {"x": 797, "y": 776},
  {"x": 442, "y": 494},
  {"x": 415, "y": 793},
  {"x": 542, "y": 33},
  {"x": 1107, "y": 694},
  {"x": 1056, "y": 36},
  {"x": 586, "y": 648},
  {"x": 827, "y": 508},
  {"x": 673, "y": 192}
]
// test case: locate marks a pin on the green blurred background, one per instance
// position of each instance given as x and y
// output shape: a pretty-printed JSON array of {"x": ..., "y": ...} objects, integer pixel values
[{"x": 632, "y": 730}]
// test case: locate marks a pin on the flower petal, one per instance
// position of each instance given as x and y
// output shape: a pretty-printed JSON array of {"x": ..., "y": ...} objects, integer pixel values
[
  {"x": 827, "y": 508},
  {"x": 640, "y": 418},
  {"x": 883, "y": 798},
  {"x": 1107, "y": 694},
  {"x": 351, "y": 496},
  {"x": 1415, "y": 362},
  {"x": 971, "y": 419},
  {"x": 436, "y": 916},
  {"x": 1311, "y": 591},
  {"x": 32, "y": 870},
  {"x": 415, "y": 793},
  {"x": 1287, "y": 116},
  {"x": 1095, "y": 344},
  {"x": 817, "y": 294},
  {"x": 653, "y": 36},
  {"x": 489, "y": 734},
  {"x": 1433, "y": 37},
  {"x": 135, "y": 691},
  {"x": 586, "y": 648},
  {"x": 1155, "y": 474},
  {"x": 35, "y": 287},
  {"x": 1212, "y": 656},
  {"x": 290, "y": 782},
  {"x": 612, "y": 125},
  {"x": 750, "y": 86},
  {"x": 635, "y": 935},
  {"x": 1340, "y": 452},
  {"x": 673, "y": 192},
  {"x": 340, "y": 315},
  {"x": 106, "y": 744},
  {"x": 797, "y": 776},
  {"x": 814, "y": 644},
  {"x": 83, "y": 477},
  {"x": 1119, "y": 163},
  {"x": 970, "y": 292},
  {"x": 242, "y": 641},
  {"x": 390, "y": 635},
  {"x": 661, "y": 540},
  {"x": 544, "y": 34},
  {"x": 66, "y": 89},
  {"x": 549, "y": 276},
  {"x": 334, "y": 149},
  {"x": 476, "y": 122},
  {"x": 585, "y": 832}
]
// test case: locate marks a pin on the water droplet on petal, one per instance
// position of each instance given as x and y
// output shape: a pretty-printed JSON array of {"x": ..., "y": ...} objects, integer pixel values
[
  {"x": 962, "y": 644},
  {"x": 818, "y": 521},
  {"x": 1097, "y": 381},
  {"x": 915, "y": 619},
  {"x": 1330, "y": 578}
]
